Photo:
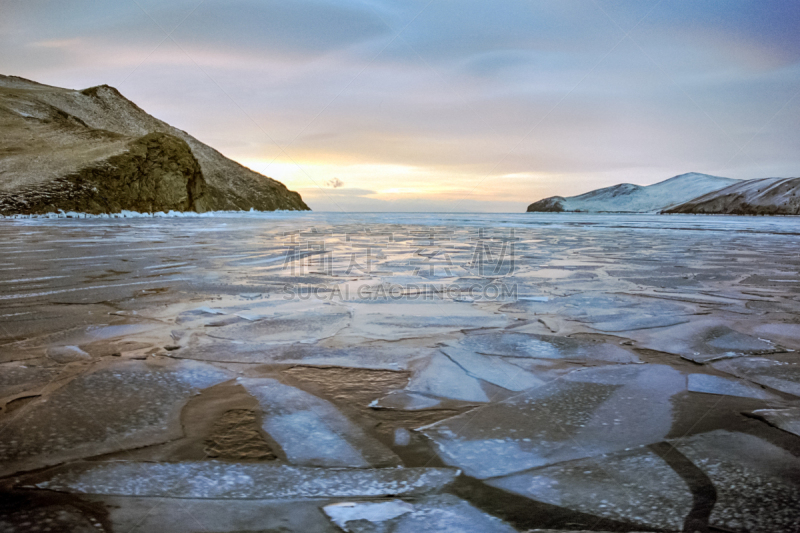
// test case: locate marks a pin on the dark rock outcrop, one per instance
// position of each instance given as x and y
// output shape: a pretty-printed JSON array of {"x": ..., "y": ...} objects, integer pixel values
[
  {"x": 95, "y": 151},
  {"x": 157, "y": 173},
  {"x": 554, "y": 204}
]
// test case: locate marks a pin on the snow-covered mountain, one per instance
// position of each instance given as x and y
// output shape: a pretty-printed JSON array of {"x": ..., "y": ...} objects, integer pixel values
[
  {"x": 630, "y": 198},
  {"x": 765, "y": 196}
]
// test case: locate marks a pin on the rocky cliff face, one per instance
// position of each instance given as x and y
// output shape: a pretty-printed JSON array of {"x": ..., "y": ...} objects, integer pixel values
[
  {"x": 157, "y": 172},
  {"x": 766, "y": 196},
  {"x": 95, "y": 151}
]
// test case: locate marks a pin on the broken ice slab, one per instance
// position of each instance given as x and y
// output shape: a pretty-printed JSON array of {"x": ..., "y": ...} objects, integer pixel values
[
  {"x": 121, "y": 330},
  {"x": 430, "y": 514},
  {"x": 786, "y": 419},
  {"x": 210, "y": 311},
  {"x": 721, "y": 342},
  {"x": 608, "y": 312},
  {"x": 493, "y": 370},
  {"x": 406, "y": 401},
  {"x": 786, "y": 334},
  {"x": 587, "y": 412},
  {"x": 512, "y": 344},
  {"x": 389, "y": 356},
  {"x": 123, "y": 405},
  {"x": 305, "y": 326},
  {"x": 404, "y": 320},
  {"x": 718, "y": 385},
  {"x": 634, "y": 486},
  {"x": 757, "y": 483},
  {"x": 216, "y": 480},
  {"x": 703, "y": 341},
  {"x": 311, "y": 431},
  {"x": 782, "y": 375},
  {"x": 440, "y": 376}
]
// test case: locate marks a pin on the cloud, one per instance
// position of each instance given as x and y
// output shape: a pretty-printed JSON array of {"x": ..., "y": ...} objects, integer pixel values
[{"x": 469, "y": 92}]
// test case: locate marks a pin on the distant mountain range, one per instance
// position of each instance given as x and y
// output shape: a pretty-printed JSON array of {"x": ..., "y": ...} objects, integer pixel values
[
  {"x": 95, "y": 151},
  {"x": 686, "y": 193}
]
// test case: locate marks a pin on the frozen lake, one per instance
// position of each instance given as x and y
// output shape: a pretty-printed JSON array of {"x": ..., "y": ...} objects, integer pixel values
[{"x": 400, "y": 372}]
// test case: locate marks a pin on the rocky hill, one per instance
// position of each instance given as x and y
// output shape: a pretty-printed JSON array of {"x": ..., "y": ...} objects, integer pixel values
[
  {"x": 95, "y": 151},
  {"x": 630, "y": 198},
  {"x": 766, "y": 196}
]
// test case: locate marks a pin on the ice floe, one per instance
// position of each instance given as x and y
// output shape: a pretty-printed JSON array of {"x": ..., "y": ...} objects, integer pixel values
[
  {"x": 787, "y": 419},
  {"x": 633, "y": 486},
  {"x": 513, "y": 344},
  {"x": 125, "y": 405},
  {"x": 782, "y": 375},
  {"x": 311, "y": 431},
  {"x": 440, "y": 376},
  {"x": 729, "y": 387},
  {"x": 406, "y": 401},
  {"x": 757, "y": 483},
  {"x": 586, "y": 413},
  {"x": 308, "y": 326},
  {"x": 493, "y": 369}
]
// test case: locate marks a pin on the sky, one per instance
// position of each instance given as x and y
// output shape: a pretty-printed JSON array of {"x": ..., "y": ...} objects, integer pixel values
[{"x": 441, "y": 105}]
